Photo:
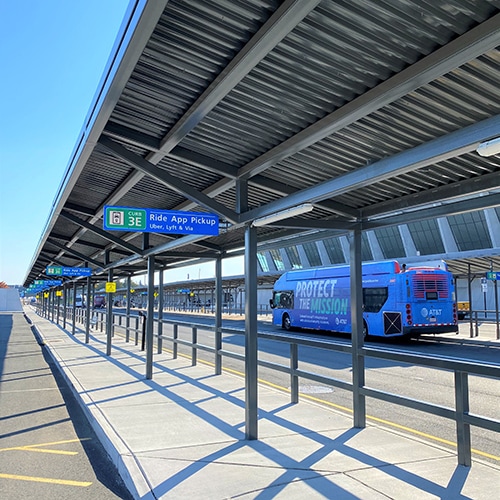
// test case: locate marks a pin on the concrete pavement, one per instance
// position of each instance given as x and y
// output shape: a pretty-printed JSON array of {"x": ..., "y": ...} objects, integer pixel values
[{"x": 182, "y": 434}]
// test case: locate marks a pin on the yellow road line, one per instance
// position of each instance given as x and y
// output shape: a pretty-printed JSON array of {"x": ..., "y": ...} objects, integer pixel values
[
  {"x": 65, "y": 482},
  {"x": 37, "y": 447}
]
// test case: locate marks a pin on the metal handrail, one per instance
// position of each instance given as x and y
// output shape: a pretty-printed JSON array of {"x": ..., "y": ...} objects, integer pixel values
[{"x": 460, "y": 367}]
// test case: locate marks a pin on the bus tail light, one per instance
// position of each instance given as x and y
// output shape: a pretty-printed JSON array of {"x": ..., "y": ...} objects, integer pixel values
[{"x": 409, "y": 318}]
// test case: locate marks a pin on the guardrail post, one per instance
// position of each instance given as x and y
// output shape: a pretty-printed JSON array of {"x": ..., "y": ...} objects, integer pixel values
[
  {"x": 476, "y": 326},
  {"x": 194, "y": 350},
  {"x": 462, "y": 409},
  {"x": 175, "y": 335},
  {"x": 294, "y": 379},
  {"x": 127, "y": 327},
  {"x": 160, "y": 337},
  {"x": 136, "y": 340},
  {"x": 143, "y": 341}
]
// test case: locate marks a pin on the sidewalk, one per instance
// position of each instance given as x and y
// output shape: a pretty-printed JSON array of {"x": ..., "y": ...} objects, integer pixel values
[{"x": 182, "y": 435}]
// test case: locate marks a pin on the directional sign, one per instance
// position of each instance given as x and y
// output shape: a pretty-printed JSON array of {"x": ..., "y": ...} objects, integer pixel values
[
  {"x": 151, "y": 220},
  {"x": 492, "y": 275},
  {"x": 68, "y": 271},
  {"x": 46, "y": 283}
]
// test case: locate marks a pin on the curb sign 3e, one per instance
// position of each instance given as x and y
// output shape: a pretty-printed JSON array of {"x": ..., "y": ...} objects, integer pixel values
[{"x": 151, "y": 220}]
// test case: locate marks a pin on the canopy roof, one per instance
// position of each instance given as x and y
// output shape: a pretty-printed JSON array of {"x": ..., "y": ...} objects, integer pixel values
[{"x": 372, "y": 111}]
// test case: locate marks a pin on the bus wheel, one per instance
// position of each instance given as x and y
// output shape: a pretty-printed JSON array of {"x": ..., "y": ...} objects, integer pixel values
[
  {"x": 365, "y": 330},
  {"x": 286, "y": 324}
]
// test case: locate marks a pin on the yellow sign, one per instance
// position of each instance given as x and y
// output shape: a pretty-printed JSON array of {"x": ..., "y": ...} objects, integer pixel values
[
  {"x": 132, "y": 290},
  {"x": 58, "y": 293},
  {"x": 46, "y": 295},
  {"x": 155, "y": 294},
  {"x": 110, "y": 287}
]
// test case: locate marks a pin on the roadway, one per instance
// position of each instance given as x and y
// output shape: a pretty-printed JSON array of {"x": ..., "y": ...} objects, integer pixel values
[{"x": 47, "y": 447}]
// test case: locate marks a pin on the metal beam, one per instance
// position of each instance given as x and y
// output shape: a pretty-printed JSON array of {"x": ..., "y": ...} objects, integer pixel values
[
  {"x": 73, "y": 252},
  {"x": 474, "y": 185},
  {"x": 100, "y": 232},
  {"x": 446, "y": 209},
  {"x": 226, "y": 170},
  {"x": 282, "y": 189},
  {"x": 442, "y": 148},
  {"x": 167, "y": 179}
]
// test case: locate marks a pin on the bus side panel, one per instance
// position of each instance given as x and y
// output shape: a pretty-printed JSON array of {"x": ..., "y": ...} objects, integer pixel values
[{"x": 320, "y": 304}]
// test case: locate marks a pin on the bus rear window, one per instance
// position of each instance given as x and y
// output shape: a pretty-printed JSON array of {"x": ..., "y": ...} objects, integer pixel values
[
  {"x": 374, "y": 298},
  {"x": 436, "y": 283}
]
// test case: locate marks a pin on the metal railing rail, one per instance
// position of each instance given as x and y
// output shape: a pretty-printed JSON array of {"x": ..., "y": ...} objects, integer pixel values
[{"x": 461, "y": 368}]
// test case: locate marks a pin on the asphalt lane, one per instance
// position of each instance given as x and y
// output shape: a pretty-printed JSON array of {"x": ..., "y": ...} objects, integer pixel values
[{"x": 47, "y": 447}]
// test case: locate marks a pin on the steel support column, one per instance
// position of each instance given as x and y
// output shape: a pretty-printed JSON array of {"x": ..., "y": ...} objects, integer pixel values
[
  {"x": 149, "y": 317},
  {"x": 73, "y": 314},
  {"x": 127, "y": 309},
  {"x": 58, "y": 307},
  {"x": 51, "y": 304},
  {"x": 358, "y": 360},
  {"x": 160, "y": 311},
  {"x": 469, "y": 291},
  {"x": 90, "y": 303},
  {"x": 251, "y": 347},
  {"x": 65, "y": 303},
  {"x": 218, "y": 315},
  {"x": 109, "y": 315},
  {"x": 496, "y": 310}
]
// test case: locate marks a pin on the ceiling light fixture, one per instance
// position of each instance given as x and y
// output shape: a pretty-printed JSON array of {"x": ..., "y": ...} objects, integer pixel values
[
  {"x": 489, "y": 148},
  {"x": 284, "y": 214}
]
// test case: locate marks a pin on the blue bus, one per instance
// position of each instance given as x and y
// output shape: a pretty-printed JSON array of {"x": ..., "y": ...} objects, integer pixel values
[{"x": 396, "y": 301}]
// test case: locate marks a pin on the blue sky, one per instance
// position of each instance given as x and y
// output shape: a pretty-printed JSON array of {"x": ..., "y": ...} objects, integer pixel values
[{"x": 53, "y": 53}]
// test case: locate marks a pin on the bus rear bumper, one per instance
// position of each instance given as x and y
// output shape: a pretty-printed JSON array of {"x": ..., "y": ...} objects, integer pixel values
[{"x": 413, "y": 331}]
